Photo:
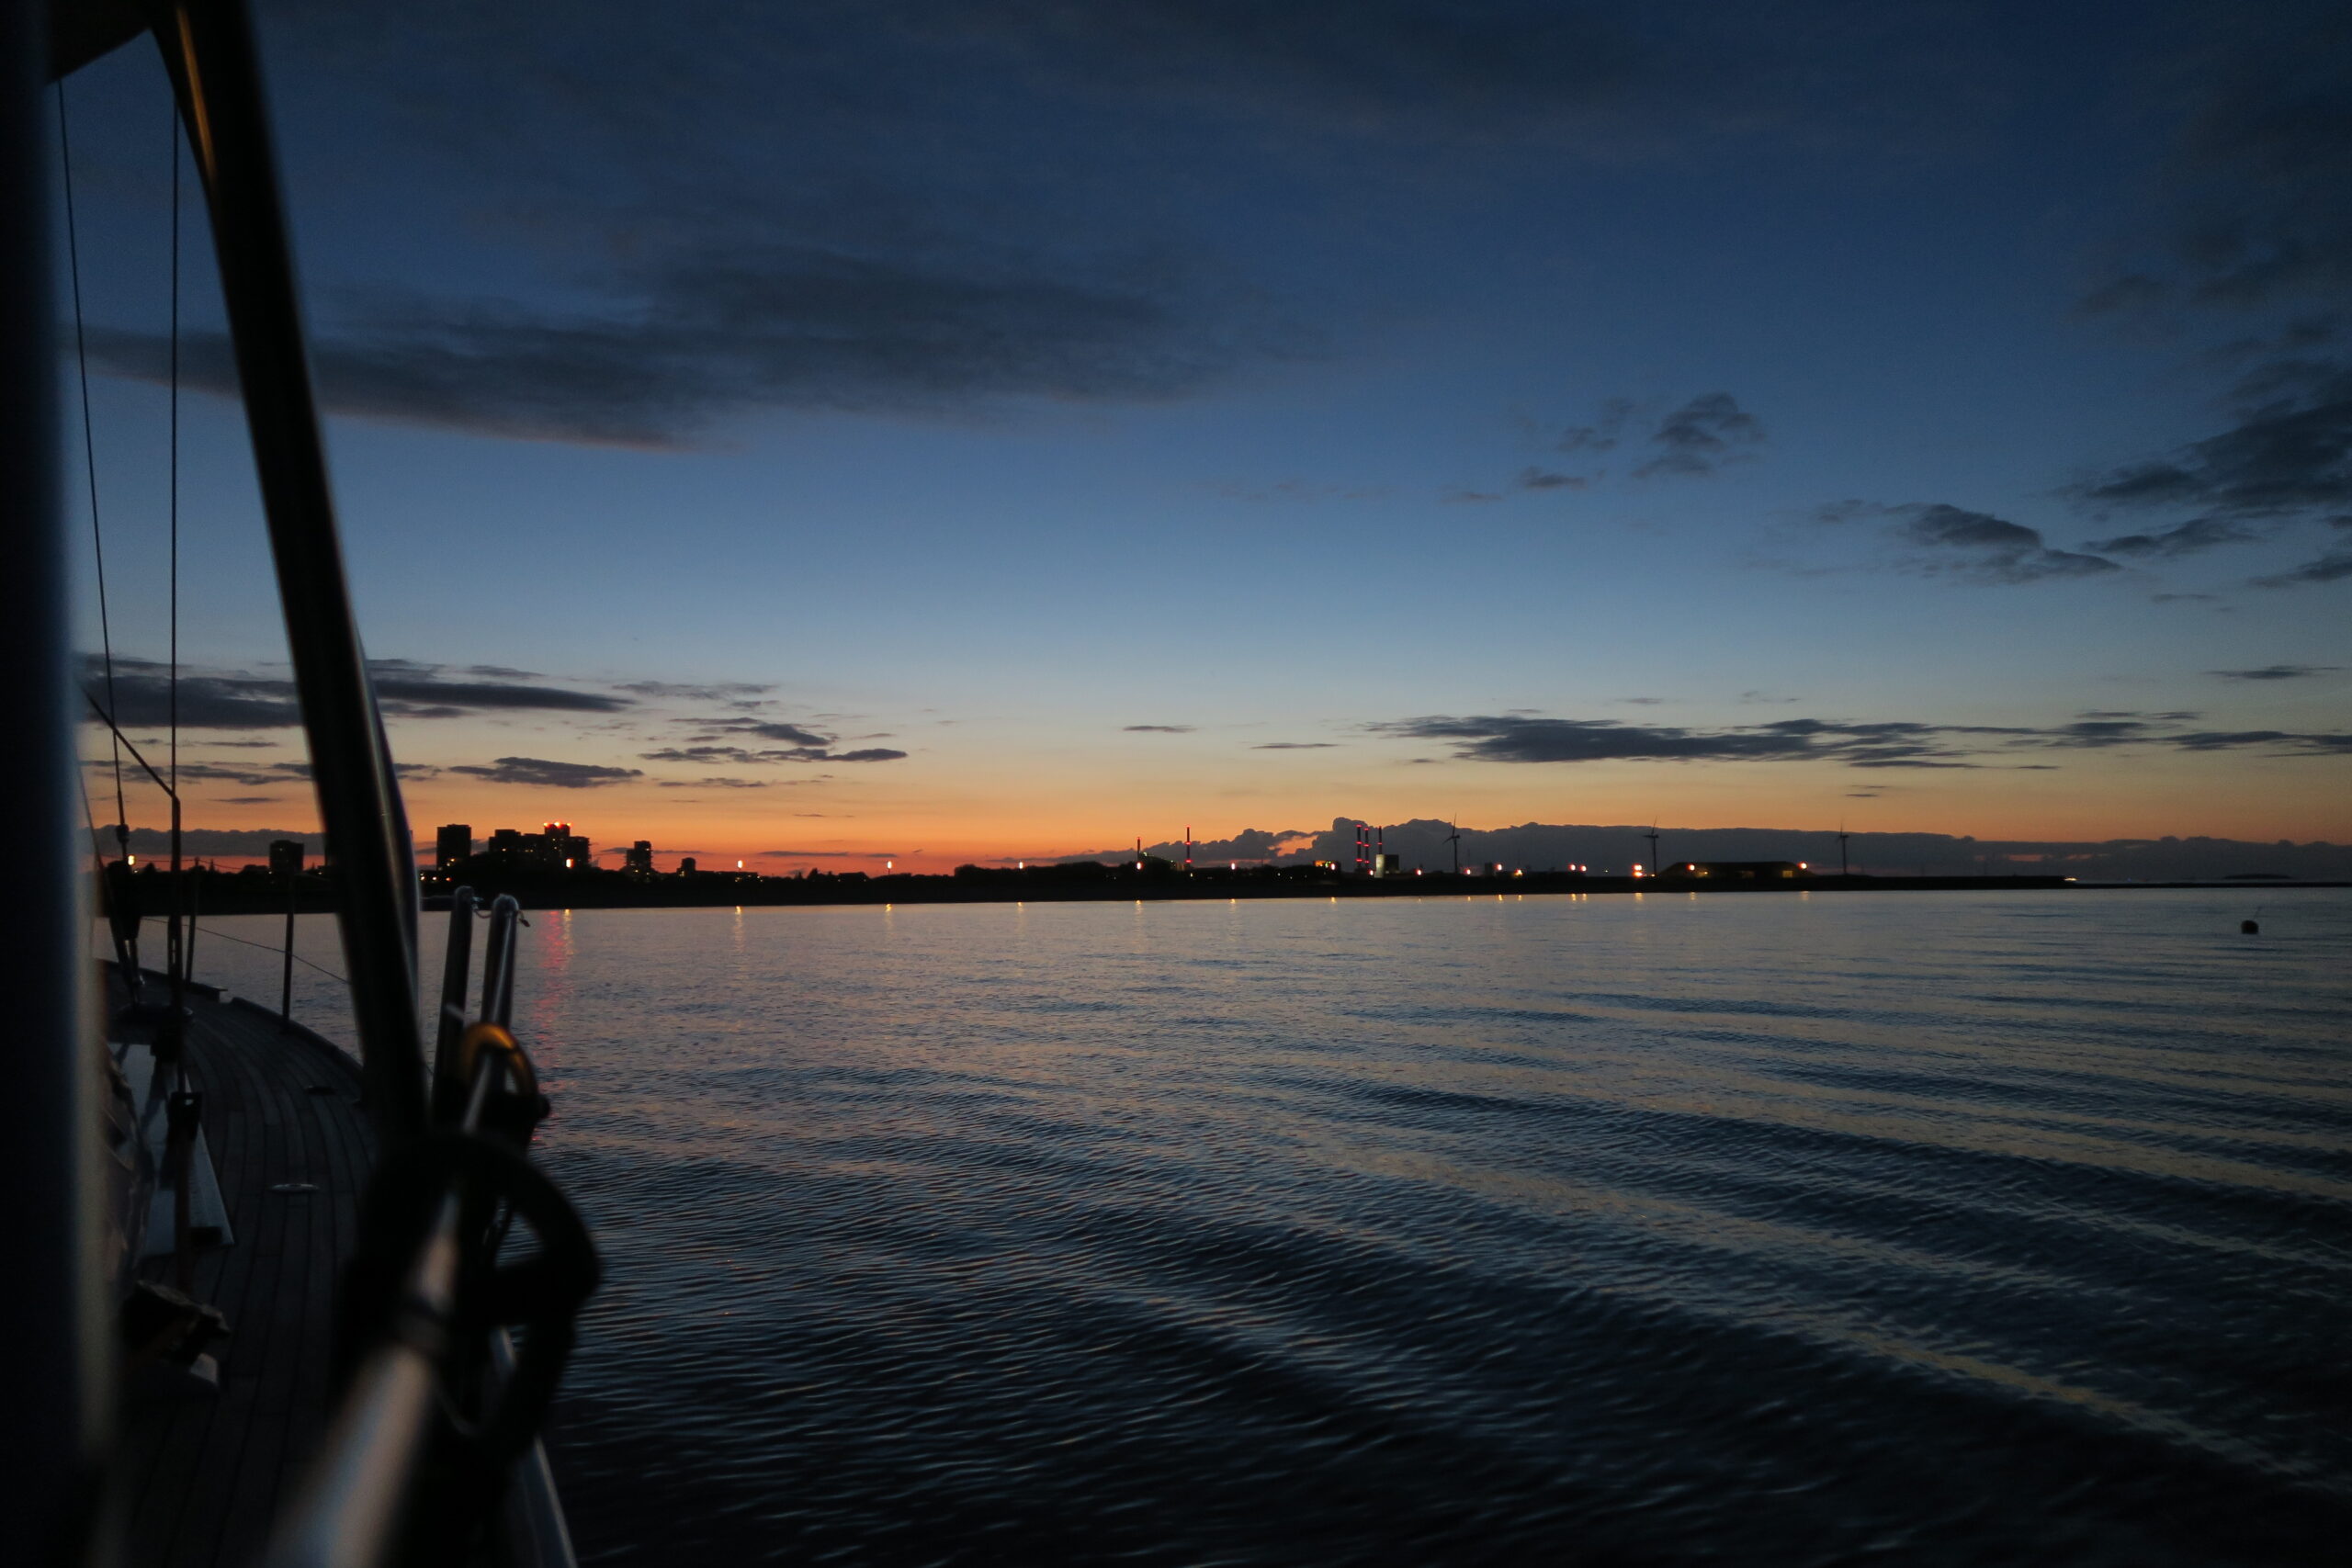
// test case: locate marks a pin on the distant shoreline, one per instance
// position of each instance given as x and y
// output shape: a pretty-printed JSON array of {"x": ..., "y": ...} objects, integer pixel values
[
  {"x": 944, "y": 890},
  {"x": 220, "y": 896}
]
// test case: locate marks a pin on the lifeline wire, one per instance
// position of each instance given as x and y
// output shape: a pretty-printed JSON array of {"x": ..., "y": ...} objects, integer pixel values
[{"x": 282, "y": 953}]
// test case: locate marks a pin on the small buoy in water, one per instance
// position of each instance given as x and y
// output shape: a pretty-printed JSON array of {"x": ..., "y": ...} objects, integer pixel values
[{"x": 2251, "y": 928}]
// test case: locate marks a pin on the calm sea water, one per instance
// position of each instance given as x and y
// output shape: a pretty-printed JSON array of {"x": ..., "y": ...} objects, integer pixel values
[{"x": 1944, "y": 1228}]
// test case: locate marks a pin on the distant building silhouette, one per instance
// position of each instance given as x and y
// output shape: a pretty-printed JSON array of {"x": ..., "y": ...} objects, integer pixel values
[
  {"x": 286, "y": 857},
  {"x": 554, "y": 848},
  {"x": 1740, "y": 870},
  {"x": 452, "y": 844},
  {"x": 687, "y": 866},
  {"x": 638, "y": 859},
  {"x": 564, "y": 850}
]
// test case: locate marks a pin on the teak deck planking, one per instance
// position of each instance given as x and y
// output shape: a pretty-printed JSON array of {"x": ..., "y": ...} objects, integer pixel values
[{"x": 199, "y": 1476}]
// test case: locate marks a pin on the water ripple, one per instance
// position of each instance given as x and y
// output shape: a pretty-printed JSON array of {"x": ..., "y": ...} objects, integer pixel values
[{"x": 1950, "y": 1229}]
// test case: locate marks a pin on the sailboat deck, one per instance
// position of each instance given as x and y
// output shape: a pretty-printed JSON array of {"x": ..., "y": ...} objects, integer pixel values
[{"x": 199, "y": 1476}]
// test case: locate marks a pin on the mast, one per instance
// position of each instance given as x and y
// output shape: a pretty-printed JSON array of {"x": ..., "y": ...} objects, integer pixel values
[
  {"x": 208, "y": 48},
  {"x": 54, "y": 1418}
]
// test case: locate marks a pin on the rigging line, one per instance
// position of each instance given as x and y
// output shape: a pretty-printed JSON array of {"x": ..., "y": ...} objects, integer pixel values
[
  {"x": 182, "y": 963},
  {"x": 97, "y": 845},
  {"x": 174, "y": 125},
  {"x": 122, "y": 830},
  {"x": 90, "y": 456},
  {"x": 298, "y": 958}
]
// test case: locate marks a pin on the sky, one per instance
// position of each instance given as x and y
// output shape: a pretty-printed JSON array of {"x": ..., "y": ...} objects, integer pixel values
[{"x": 982, "y": 429}]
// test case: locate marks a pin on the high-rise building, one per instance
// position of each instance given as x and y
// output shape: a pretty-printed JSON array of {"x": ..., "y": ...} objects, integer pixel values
[
  {"x": 554, "y": 848},
  {"x": 286, "y": 857},
  {"x": 638, "y": 859},
  {"x": 452, "y": 844},
  {"x": 561, "y": 849}
]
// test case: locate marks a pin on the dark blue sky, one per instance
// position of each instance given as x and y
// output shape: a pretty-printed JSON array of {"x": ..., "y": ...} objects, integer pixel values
[{"x": 1736, "y": 414}]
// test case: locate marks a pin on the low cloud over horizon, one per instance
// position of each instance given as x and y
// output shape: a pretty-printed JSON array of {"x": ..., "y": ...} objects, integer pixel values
[{"x": 1894, "y": 744}]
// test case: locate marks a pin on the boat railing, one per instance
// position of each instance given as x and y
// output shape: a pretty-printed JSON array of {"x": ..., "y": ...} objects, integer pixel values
[
  {"x": 436, "y": 1437},
  {"x": 498, "y": 962}
]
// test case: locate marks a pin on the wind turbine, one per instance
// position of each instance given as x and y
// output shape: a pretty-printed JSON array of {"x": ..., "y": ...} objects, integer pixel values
[
  {"x": 1842, "y": 837},
  {"x": 1453, "y": 837},
  {"x": 1656, "y": 865}
]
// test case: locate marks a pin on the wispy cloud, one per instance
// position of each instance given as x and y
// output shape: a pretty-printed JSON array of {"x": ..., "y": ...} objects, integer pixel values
[
  {"x": 2333, "y": 566},
  {"x": 2192, "y": 537},
  {"x": 803, "y": 744},
  {"x": 1603, "y": 435},
  {"x": 687, "y": 338},
  {"x": 406, "y": 688},
  {"x": 2289, "y": 455},
  {"x": 1542, "y": 479},
  {"x": 1990, "y": 548},
  {"x": 213, "y": 772},
  {"x": 1937, "y": 539},
  {"x": 673, "y": 691},
  {"x": 142, "y": 695},
  {"x": 1889, "y": 744},
  {"x": 1700, "y": 437},
  {"x": 541, "y": 773},
  {"x": 2277, "y": 672}
]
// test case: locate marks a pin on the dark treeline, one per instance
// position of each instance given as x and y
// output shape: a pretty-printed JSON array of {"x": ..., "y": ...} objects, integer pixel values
[{"x": 1539, "y": 845}]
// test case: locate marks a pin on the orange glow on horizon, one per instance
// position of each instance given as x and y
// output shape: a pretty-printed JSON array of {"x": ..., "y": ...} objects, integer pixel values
[{"x": 993, "y": 804}]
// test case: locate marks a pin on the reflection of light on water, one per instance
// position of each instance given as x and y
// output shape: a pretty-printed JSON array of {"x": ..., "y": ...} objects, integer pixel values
[{"x": 545, "y": 988}]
